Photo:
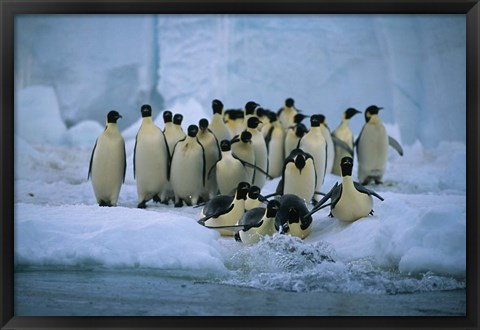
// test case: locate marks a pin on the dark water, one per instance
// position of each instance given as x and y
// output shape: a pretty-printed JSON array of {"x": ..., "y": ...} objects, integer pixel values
[{"x": 161, "y": 293}]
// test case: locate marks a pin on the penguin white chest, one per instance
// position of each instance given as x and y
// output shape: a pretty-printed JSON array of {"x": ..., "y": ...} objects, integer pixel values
[
  {"x": 352, "y": 205},
  {"x": 300, "y": 183},
  {"x": 373, "y": 148},
  {"x": 187, "y": 170},
  {"x": 108, "y": 166},
  {"x": 229, "y": 172},
  {"x": 254, "y": 235}
]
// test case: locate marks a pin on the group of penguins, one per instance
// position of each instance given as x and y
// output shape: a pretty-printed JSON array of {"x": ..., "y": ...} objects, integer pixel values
[{"x": 223, "y": 164}]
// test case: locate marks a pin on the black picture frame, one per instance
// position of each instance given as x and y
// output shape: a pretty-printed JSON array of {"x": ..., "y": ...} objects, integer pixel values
[{"x": 10, "y": 8}]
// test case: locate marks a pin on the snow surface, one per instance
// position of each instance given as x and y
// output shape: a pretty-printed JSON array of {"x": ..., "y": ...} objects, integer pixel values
[{"x": 412, "y": 66}]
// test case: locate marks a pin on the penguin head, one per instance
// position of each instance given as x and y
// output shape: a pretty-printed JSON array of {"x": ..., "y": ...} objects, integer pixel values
[
  {"x": 253, "y": 122},
  {"x": 112, "y": 117},
  {"x": 350, "y": 112},
  {"x": 289, "y": 102},
  {"x": 272, "y": 208},
  {"x": 242, "y": 190},
  {"x": 299, "y": 117},
  {"x": 261, "y": 112},
  {"x": 225, "y": 145},
  {"x": 250, "y": 107},
  {"x": 272, "y": 116},
  {"x": 300, "y": 161},
  {"x": 167, "y": 116},
  {"x": 254, "y": 192},
  {"x": 203, "y": 124},
  {"x": 246, "y": 137},
  {"x": 177, "y": 119},
  {"x": 315, "y": 121},
  {"x": 146, "y": 110},
  {"x": 217, "y": 106},
  {"x": 346, "y": 164},
  {"x": 370, "y": 111},
  {"x": 301, "y": 130},
  {"x": 192, "y": 130}
]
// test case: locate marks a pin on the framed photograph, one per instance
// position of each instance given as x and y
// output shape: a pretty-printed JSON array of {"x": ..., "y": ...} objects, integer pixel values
[{"x": 123, "y": 205}]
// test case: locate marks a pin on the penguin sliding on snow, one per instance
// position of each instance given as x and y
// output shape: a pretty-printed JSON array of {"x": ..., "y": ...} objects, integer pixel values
[
  {"x": 344, "y": 134},
  {"x": 257, "y": 222},
  {"x": 292, "y": 216},
  {"x": 108, "y": 163},
  {"x": 150, "y": 160},
  {"x": 350, "y": 201},
  {"x": 187, "y": 172},
  {"x": 220, "y": 214},
  {"x": 372, "y": 147}
]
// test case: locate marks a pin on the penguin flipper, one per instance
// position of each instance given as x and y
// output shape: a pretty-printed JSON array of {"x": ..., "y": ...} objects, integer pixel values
[
  {"x": 215, "y": 215},
  {"x": 124, "y": 162},
  {"x": 253, "y": 166},
  {"x": 395, "y": 145},
  {"x": 134, "y": 154},
  {"x": 91, "y": 160},
  {"x": 235, "y": 228},
  {"x": 367, "y": 191},
  {"x": 342, "y": 144},
  {"x": 320, "y": 205},
  {"x": 169, "y": 160}
]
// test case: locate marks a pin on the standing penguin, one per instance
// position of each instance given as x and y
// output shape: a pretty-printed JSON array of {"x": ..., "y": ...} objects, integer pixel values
[
  {"x": 108, "y": 163},
  {"x": 294, "y": 134},
  {"x": 314, "y": 144},
  {"x": 258, "y": 222},
  {"x": 275, "y": 141},
  {"x": 292, "y": 217},
  {"x": 299, "y": 177},
  {"x": 350, "y": 201},
  {"x": 328, "y": 139},
  {"x": 372, "y": 147},
  {"x": 343, "y": 133},
  {"x": 261, "y": 152},
  {"x": 212, "y": 155},
  {"x": 286, "y": 113},
  {"x": 187, "y": 173},
  {"x": 229, "y": 170},
  {"x": 233, "y": 119},
  {"x": 217, "y": 125},
  {"x": 173, "y": 129},
  {"x": 242, "y": 147},
  {"x": 227, "y": 215},
  {"x": 150, "y": 160},
  {"x": 250, "y": 108}
]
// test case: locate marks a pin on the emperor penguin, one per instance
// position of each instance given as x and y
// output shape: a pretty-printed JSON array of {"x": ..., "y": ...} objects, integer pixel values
[
  {"x": 233, "y": 119},
  {"x": 212, "y": 154},
  {"x": 108, "y": 163},
  {"x": 350, "y": 200},
  {"x": 243, "y": 149},
  {"x": 343, "y": 133},
  {"x": 254, "y": 198},
  {"x": 187, "y": 172},
  {"x": 329, "y": 141},
  {"x": 260, "y": 150},
  {"x": 257, "y": 223},
  {"x": 173, "y": 129},
  {"x": 372, "y": 147},
  {"x": 314, "y": 144},
  {"x": 286, "y": 113},
  {"x": 299, "y": 176},
  {"x": 292, "y": 218},
  {"x": 294, "y": 134},
  {"x": 249, "y": 110},
  {"x": 150, "y": 160},
  {"x": 226, "y": 215},
  {"x": 229, "y": 170},
  {"x": 217, "y": 125},
  {"x": 275, "y": 141}
]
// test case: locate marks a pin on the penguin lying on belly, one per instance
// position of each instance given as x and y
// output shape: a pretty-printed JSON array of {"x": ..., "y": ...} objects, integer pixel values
[
  {"x": 257, "y": 222},
  {"x": 292, "y": 217},
  {"x": 350, "y": 201}
]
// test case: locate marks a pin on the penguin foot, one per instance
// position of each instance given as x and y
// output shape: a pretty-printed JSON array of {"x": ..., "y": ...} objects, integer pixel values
[
  {"x": 103, "y": 204},
  {"x": 179, "y": 203},
  {"x": 314, "y": 201},
  {"x": 371, "y": 212},
  {"x": 330, "y": 215},
  {"x": 142, "y": 205},
  {"x": 237, "y": 237},
  {"x": 157, "y": 199},
  {"x": 378, "y": 181}
]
